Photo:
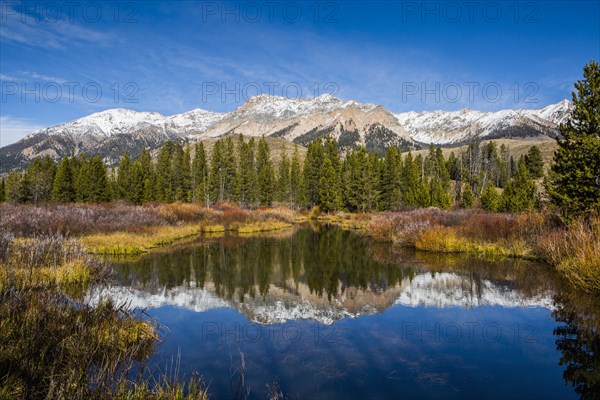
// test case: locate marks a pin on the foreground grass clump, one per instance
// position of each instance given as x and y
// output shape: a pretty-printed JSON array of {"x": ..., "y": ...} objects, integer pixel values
[
  {"x": 54, "y": 344},
  {"x": 42, "y": 262},
  {"x": 52, "y": 348}
]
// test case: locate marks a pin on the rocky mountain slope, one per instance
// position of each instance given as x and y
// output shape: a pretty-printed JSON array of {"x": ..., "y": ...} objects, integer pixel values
[{"x": 111, "y": 132}]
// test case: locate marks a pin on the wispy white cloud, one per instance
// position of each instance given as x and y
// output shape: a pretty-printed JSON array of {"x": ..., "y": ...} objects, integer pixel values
[
  {"x": 13, "y": 129},
  {"x": 23, "y": 29}
]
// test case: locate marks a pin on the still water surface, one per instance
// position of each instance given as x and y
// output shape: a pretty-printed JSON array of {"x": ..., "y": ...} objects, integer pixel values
[{"x": 328, "y": 314}]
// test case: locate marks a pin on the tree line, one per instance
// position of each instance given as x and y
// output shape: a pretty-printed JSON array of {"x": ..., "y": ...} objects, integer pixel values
[{"x": 242, "y": 170}]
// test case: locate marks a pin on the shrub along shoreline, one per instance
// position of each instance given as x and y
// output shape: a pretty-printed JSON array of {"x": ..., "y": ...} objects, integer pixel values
[{"x": 574, "y": 250}]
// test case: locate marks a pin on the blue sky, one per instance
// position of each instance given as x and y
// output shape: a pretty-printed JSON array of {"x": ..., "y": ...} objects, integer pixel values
[{"x": 61, "y": 61}]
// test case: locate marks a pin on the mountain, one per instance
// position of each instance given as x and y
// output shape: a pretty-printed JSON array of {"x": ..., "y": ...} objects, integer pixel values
[
  {"x": 109, "y": 133},
  {"x": 459, "y": 127}
]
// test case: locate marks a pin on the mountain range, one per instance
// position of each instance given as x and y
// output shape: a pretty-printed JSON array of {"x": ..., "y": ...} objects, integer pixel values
[{"x": 110, "y": 133}]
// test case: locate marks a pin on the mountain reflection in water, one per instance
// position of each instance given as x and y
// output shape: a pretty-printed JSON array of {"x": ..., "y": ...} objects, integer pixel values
[{"x": 324, "y": 275}]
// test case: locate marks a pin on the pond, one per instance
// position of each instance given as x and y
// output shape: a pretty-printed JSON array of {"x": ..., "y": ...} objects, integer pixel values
[{"x": 322, "y": 313}]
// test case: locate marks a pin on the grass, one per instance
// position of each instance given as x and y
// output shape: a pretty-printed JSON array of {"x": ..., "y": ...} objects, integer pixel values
[
  {"x": 573, "y": 250},
  {"x": 576, "y": 252},
  {"x": 131, "y": 243},
  {"x": 448, "y": 240},
  {"x": 262, "y": 226},
  {"x": 225, "y": 218},
  {"x": 343, "y": 220}
]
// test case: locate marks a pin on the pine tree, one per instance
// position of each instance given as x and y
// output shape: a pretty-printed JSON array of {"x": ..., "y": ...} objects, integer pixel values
[
  {"x": 535, "y": 162},
  {"x": 123, "y": 175},
  {"x": 97, "y": 182},
  {"x": 372, "y": 192},
  {"x": 63, "y": 189},
  {"x": 391, "y": 196},
  {"x": 409, "y": 181},
  {"x": 247, "y": 171},
  {"x": 217, "y": 174},
  {"x": 13, "y": 187},
  {"x": 186, "y": 173},
  {"x": 349, "y": 183},
  {"x": 574, "y": 182},
  {"x": 264, "y": 174},
  {"x": 312, "y": 172},
  {"x": 439, "y": 195},
  {"x": 329, "y": 197},
  {"x": 467, "y": 196},
  {"x": 504, "y": 159},
  {"x": 232, "y": 184},
  {"x": 490, "y": 199},
  {"x": 37, "y": 182},
  {"x": 295, "y": 177},
  {"x": 148, "y": 190},
  {"x": 423, "y": 192},
  {"x": 145, "y": 161},
  {"x": 178, "y": 173},
  {"x": 164, "y": 183},
  {"x": 79, "y": 167},
  {"x": 520, "y": 193},
  {"x": 283, "y": 178},
  {"x": 199, "y": 174},
  {"x": 136, "y": 183}
]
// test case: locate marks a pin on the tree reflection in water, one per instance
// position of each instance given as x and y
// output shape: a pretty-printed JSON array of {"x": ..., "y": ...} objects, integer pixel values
[{"x": 578, "y": 339}]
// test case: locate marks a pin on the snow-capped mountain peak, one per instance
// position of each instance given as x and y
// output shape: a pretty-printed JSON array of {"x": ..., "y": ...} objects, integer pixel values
[
  {"x": 106, "y": 123},
  {"x": 455, "y": 127}
]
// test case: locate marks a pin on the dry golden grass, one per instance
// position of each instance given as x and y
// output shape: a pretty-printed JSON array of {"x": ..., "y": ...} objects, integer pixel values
[
  {"x": 576, "y": 252},
  {"x": 450, "y": 240},
  {"x": 349, "y": 221},
  {"x": 262, "y": 226},
  {"x": 138, "y": 242}
]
